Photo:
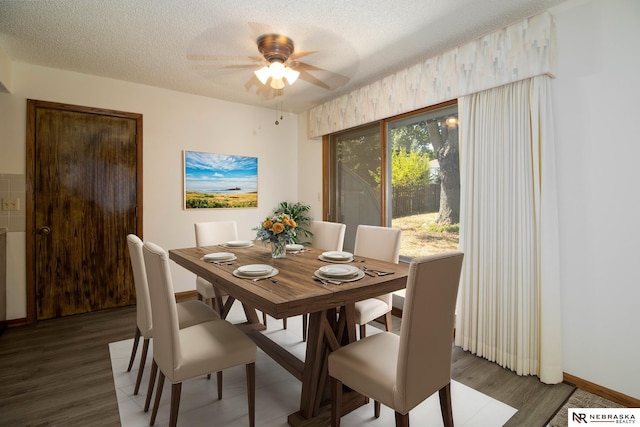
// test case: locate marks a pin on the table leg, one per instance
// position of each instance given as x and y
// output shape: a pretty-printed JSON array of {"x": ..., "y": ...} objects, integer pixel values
[{"x": 326, "y": 334}]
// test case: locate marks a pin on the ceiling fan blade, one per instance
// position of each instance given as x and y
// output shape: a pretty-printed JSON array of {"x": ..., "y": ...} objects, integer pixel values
[
  {"x": 332, "y": 81},
  {"x": 225, "y": 67},
  {"x": 306, "y": 76},
  {"x": 234, "y": 58},
  {"x": 265, "y": 91},
  {"x": 295, "y": 55}
]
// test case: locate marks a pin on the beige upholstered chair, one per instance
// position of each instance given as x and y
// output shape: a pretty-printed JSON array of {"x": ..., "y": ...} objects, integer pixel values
[
  {"x": 381, "y": 243},
  {"x": 189, "y": 312},
  {"x": 209, "y": 234},
  {"x": 330, "y": 237},
  {"x": 402, "y": 371},
  {"x": 182, "y": 354}
]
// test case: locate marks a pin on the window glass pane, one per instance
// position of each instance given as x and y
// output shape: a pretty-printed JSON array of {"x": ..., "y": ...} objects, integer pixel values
[
  {"x": 356, "y": 179},
  {"x": 424, "y": 189}
]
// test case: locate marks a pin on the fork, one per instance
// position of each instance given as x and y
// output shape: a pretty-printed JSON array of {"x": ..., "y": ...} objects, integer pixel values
[
  {"x": 378, "y": 272},
  {"x": 257, "y": 279},
  {"x": 325, "y": 281}
]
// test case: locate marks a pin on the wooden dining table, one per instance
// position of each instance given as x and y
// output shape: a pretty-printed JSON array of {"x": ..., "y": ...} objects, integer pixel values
[{"x": 331, "y": 309}]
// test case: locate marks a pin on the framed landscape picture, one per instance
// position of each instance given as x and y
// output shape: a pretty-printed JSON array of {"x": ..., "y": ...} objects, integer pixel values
[{"x": 220, "y": 181}]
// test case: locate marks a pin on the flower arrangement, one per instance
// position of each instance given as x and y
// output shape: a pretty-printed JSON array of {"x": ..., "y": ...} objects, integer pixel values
[
  {"x": 278, "y": 229},
  {"x": 283, "y": 226}
]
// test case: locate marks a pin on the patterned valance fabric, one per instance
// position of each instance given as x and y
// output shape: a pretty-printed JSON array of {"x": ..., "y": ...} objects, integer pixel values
[{"x": 520, "y": 51}]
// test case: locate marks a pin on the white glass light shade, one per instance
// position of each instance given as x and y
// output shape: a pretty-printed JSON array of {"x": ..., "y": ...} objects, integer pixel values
[
  {"x": 263, "y": 74},
  {"x": 277, "y": 83},
  {"x": 291, "y": 75},
  {"x": 277, "y": 70}
]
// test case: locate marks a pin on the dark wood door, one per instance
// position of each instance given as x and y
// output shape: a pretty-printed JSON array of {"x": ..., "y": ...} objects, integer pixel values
[{"x": 84, "y": 186}]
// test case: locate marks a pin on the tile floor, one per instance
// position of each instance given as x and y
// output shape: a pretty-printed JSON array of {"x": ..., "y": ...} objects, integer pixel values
[{"x": 277, "y": 393}]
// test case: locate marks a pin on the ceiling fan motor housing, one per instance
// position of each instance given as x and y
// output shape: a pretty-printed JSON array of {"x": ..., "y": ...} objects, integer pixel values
[{"x": 275, "y": 47}]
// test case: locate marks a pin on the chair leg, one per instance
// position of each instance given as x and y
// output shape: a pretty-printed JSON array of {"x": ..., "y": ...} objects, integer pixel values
[
  {"x": 143, "y": 361},
  {"x": 251, "y": 392},
  {"x": 156, "y": 403},
  {"x": 219, "y": 379},
  {"x": 445, "y": 405},
  {"x": 199, "y": 296},
  {"x": 402, "y": 420},
  {"x": 264, "y": 318},
  {"x": 363, "y": 331},
  {"x": 376, "y": 409},
  {"x": 284, "y": 323},
  {"x": 176, "y": 390},
  {"x": 136, "y": 340},
  {"x": 336, "y": 402},
  {"x": 152, "y": 381},
  {"x": 388, "y": 322},
  {"x": 305, "y": 326}
]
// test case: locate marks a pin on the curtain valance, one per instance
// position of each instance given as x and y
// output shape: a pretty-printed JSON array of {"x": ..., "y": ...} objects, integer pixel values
[{"x": 517, "y": 52}]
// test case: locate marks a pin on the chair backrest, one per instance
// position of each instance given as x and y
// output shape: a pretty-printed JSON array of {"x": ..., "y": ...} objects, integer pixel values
[
  {"x": 143, "y": 303},
  {"x": 381, "y": 243},
  {"x": 327, "y": 235},
  {"x": 426, "y": 331},
  {"x": 215, "y": 232},
  {"x": 166, "y": 341}
]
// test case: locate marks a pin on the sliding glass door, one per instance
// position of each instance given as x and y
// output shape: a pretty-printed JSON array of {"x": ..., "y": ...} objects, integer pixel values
[{"x": 403, "y": 173}]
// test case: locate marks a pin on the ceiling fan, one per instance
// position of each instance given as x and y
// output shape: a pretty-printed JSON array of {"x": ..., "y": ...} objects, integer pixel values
[{"x": 279, "y": 62}]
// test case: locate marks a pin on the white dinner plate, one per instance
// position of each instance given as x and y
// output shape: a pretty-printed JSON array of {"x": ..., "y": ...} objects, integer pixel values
[
  {"x": 255, "y": 269},
  {"x": 322, "y": 258},
  {"x": 294, "y": 247},
  {"x": 272, "y": 273},
  {"x": 219, "y": 256},
  {"x": 337, "y": 255},
  {"x": 359, "y": 275},
  {"x": 338, "y": 270},
  {"x": 239, "y": 243}
]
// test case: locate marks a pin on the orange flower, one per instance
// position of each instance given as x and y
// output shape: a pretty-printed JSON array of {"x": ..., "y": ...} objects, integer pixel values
[
  {"x": 267, "y": 224},
  {"x": 278, "y": 228}
]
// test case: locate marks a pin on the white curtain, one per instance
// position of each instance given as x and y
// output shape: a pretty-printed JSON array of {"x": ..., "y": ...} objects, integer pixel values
[{"x": 509, "y": 299}]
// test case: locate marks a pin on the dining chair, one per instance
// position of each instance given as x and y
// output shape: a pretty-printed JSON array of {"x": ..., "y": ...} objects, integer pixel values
[
  {"x": 212, "y": 233},
  {"x": 330, "y": 237},
  {"x": 402, "y": 371},
  {"x": 382, "y": 243},
  {"x": 189, "y": 312},
  {"x": 327, "y": 235},
  {"x": 183, "y": 354}
]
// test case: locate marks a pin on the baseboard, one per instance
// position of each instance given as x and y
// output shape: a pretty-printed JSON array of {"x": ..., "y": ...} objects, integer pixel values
[
  {"x": 598, "y": 390},
  {"x": 16, "y": 322}
]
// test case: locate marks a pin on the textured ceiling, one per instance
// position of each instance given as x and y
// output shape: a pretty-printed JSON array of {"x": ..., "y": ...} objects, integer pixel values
[{"x": 185, "y": 45}]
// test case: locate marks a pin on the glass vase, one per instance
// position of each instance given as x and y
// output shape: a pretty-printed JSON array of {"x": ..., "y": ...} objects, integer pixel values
[{"x": 278, "y": 250}]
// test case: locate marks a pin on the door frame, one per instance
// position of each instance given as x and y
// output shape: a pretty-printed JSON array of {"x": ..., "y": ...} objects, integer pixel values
[{"x": 30, "y": 226}]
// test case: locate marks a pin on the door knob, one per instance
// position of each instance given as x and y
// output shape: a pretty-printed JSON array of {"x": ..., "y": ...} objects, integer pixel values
[{"x": 44, "y": 231}]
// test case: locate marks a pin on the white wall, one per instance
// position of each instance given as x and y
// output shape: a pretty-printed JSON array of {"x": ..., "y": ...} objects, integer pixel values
[
  {"x": 598, "y": 152},
  {"x": 172, "y": 122}
]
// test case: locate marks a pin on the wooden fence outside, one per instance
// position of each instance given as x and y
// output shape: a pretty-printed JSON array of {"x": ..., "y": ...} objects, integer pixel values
[{"x": 415, "y": 199}]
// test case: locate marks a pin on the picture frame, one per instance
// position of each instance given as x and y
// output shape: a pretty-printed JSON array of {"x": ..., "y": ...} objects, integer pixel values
[{"x": 219, "y": 181}]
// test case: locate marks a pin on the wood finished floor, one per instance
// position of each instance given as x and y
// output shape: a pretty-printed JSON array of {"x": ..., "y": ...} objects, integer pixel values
[{"x": 58, "y": 373}]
